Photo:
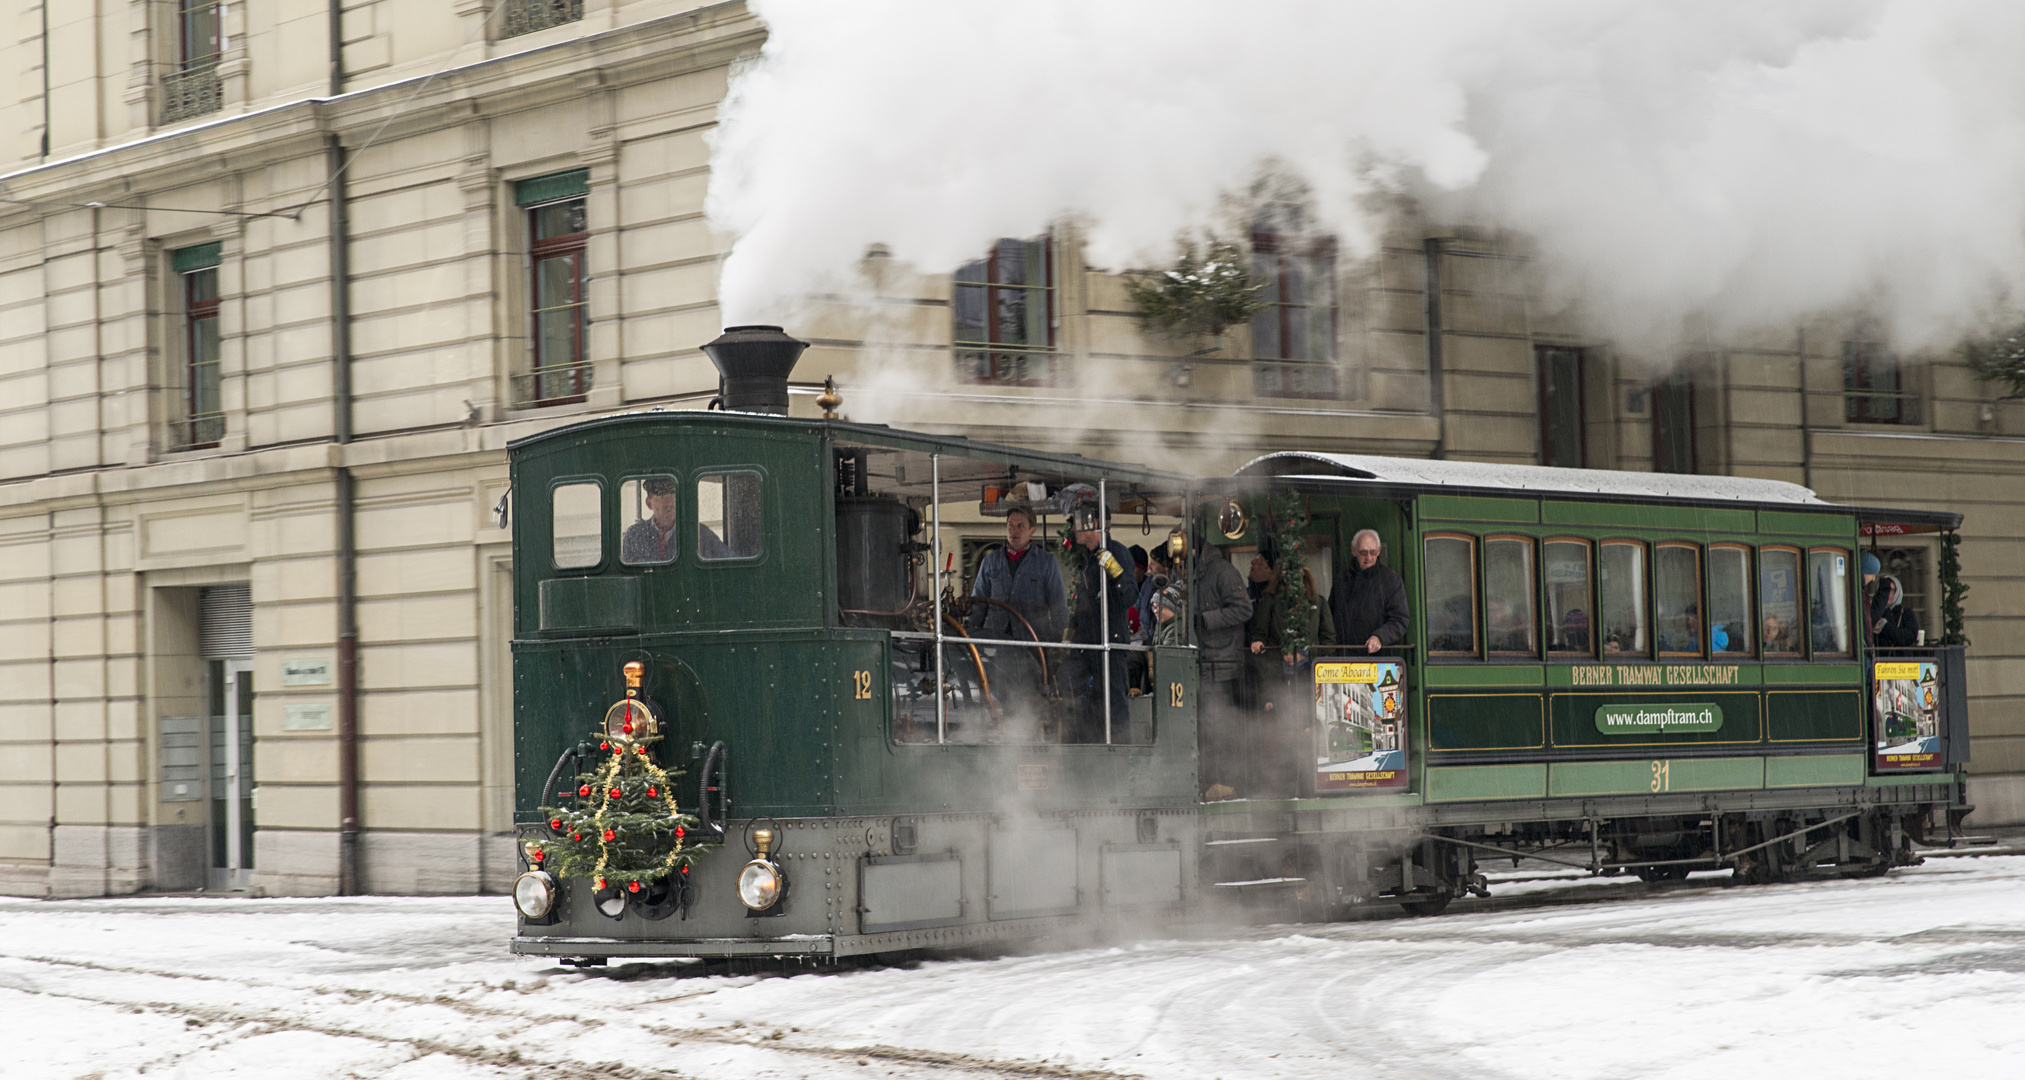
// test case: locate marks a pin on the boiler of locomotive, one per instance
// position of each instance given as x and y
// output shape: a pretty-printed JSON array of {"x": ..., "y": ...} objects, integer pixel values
[{"x": 876, "y": 549}]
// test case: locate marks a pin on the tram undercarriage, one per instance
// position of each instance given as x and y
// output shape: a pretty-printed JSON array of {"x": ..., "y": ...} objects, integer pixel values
[{"x": 1268, "y": 865}]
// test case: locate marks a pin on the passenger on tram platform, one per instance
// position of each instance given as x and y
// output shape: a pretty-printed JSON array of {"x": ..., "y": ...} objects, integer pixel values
[
  {"x": 1279, "y": 614},
  {"x": 1286, "y": 689},
  {"x": 1222, "y": 609},
  {"x": 1168, "y": 613},
  {"x": 1369, "y": 602},
  {"x": 1104, "y": 593}
]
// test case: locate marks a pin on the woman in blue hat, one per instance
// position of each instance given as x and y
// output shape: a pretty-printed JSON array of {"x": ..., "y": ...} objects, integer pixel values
[{"x": 1889, "y": 623}]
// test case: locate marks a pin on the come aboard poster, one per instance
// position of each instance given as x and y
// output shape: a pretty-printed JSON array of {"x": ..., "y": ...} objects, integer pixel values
[
  {"x": 1360, "y": 727},
  {"x": 1906, "y": 707}
]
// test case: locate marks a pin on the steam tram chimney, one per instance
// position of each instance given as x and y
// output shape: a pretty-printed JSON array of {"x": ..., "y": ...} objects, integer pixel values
[{"x": 752, "y": 368}]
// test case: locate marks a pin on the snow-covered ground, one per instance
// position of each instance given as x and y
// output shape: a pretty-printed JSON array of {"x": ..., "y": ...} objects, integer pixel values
[{"x": 1919, "y": 974}]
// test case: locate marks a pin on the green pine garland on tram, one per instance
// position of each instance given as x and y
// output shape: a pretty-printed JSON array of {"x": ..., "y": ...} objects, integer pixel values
[
  {"x": 1952, "y": 590},
  {"x": 1289, "y": 520}
]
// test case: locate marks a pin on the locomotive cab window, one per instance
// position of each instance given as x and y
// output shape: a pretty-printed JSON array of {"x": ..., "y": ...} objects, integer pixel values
[
  {"x": 578, "y": 523},
  {"x": 1828, "y": 596},
  {"x": 1676, "y": 594},
  {"x": 1623, "y": 587},
  {"x": 647, "y": 511},
  {"x": 1569, "y": 599},
  {"x": 1779, "y": 599},
  {"x": 729, "y": 516},
  {"x": 1729, "y": 618},
  {"x": 1508, "y": 596},
  {"x": 1451, "y": 595}
]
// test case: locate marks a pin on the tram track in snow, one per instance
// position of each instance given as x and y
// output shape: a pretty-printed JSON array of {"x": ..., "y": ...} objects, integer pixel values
[
  {"x": 759, "y": 1040},
  {"x": 388, "y": 982}
]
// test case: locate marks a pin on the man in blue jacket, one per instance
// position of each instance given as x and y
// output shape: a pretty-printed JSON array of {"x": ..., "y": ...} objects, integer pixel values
[{"x": 1025, "y": 577}]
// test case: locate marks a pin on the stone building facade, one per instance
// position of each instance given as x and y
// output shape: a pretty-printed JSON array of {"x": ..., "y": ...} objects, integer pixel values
[{"x": 206, "y": 372}]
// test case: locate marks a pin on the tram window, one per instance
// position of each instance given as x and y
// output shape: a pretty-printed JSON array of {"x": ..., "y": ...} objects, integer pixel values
[
  {"x": 1451, "y": 595},
  {"x": 647, "y": 511},
  {"x": 1568, "y": 598},
  {"x": 1779, "y": 600},
  {"x": 1729, "y": 618},
  {"x": 1828, "y": 595},
  {"x": 1676, "y": 594},
  {"x": 1622, "y": 577},
  {"x": 1508, "y": 596},
  {"x": 579, "y": 522},
  {"x": 728, "y": 516}
]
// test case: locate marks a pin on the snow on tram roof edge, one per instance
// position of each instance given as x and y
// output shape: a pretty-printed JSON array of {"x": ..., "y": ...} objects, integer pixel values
[{"x": 1531, "y": 478}]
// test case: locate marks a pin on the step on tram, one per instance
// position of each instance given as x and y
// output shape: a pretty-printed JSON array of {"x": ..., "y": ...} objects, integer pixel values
[{"x": 1620, "y": 672}]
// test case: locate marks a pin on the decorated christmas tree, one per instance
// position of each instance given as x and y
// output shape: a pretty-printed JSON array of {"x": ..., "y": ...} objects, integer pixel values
[{"x": 625, "y": 832}]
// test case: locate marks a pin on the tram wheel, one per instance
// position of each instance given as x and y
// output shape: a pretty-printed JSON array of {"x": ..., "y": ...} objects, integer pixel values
[
  {"x": 1433, "y": 905},
  {"x": 1653, "y": 875}
]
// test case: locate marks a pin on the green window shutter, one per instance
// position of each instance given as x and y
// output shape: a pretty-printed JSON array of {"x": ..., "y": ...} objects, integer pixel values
[
  {"x": 562, "y": 185},
  {"x": 201, "y": 257}
]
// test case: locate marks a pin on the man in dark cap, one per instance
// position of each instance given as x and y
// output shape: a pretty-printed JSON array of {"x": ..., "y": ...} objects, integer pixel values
[
  {"x": 1105, "y": 583},
  {"x": 652, "y": 539}
]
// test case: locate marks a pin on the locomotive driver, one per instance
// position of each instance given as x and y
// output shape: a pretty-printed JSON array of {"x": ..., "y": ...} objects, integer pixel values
[
  {"x": 1026, "y": 577},
  {"x": 652, "y": 539},
  {"x": 1106, "y": 580}
]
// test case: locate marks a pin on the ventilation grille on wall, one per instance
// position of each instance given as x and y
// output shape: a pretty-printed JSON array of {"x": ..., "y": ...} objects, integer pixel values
[{"x": 227, "y": 619}]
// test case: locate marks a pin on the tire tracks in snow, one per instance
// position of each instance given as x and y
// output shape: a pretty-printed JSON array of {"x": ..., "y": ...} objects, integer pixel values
[{"x": 764, "y": 1042}]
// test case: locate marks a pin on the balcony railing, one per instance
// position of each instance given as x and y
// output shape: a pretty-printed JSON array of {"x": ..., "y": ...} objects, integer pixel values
[
  {"x": 527, "y": 16},
  {"x": 198, "y": 432},
  {"x": 1005, "y": 366},
  {"x": 1866, "y": 406},
  {"x": 1296, "y": 379},
  {"x": 191, "y": 93},
  {"x": 561, "y": 384}
]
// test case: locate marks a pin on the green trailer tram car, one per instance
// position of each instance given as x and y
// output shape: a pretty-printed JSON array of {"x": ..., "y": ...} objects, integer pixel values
[{"x": 1624, "y": 672}]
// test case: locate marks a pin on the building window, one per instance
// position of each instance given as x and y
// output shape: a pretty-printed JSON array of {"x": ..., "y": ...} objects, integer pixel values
[
  {"x": 526, "y": 16},
  {"x": 201, "y": 413},
  {"x": 1875, "y": 389},
  {"x": 1294, "y": 335},
  {"x": 1004, "y": 306},
  {"x": 559, "y": 368},
  {"x": 1673, "y": 425},
  {"x": 193, "y": 88},
  {"x": 1560, "y": 406}
]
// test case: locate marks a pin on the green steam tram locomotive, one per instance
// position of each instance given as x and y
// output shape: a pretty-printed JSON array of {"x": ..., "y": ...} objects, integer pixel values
[{"x": 767, "y": 624}]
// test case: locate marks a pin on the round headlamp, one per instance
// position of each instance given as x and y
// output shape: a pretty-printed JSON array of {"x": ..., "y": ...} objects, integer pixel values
[
  {"x": 534, "y": 894},
  {"x": 759, "y": 884},
  {"x": 633, "y": 712}
]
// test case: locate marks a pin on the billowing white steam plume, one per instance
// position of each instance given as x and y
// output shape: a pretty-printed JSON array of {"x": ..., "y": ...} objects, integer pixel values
[{"x": 1739, "y": 161}]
